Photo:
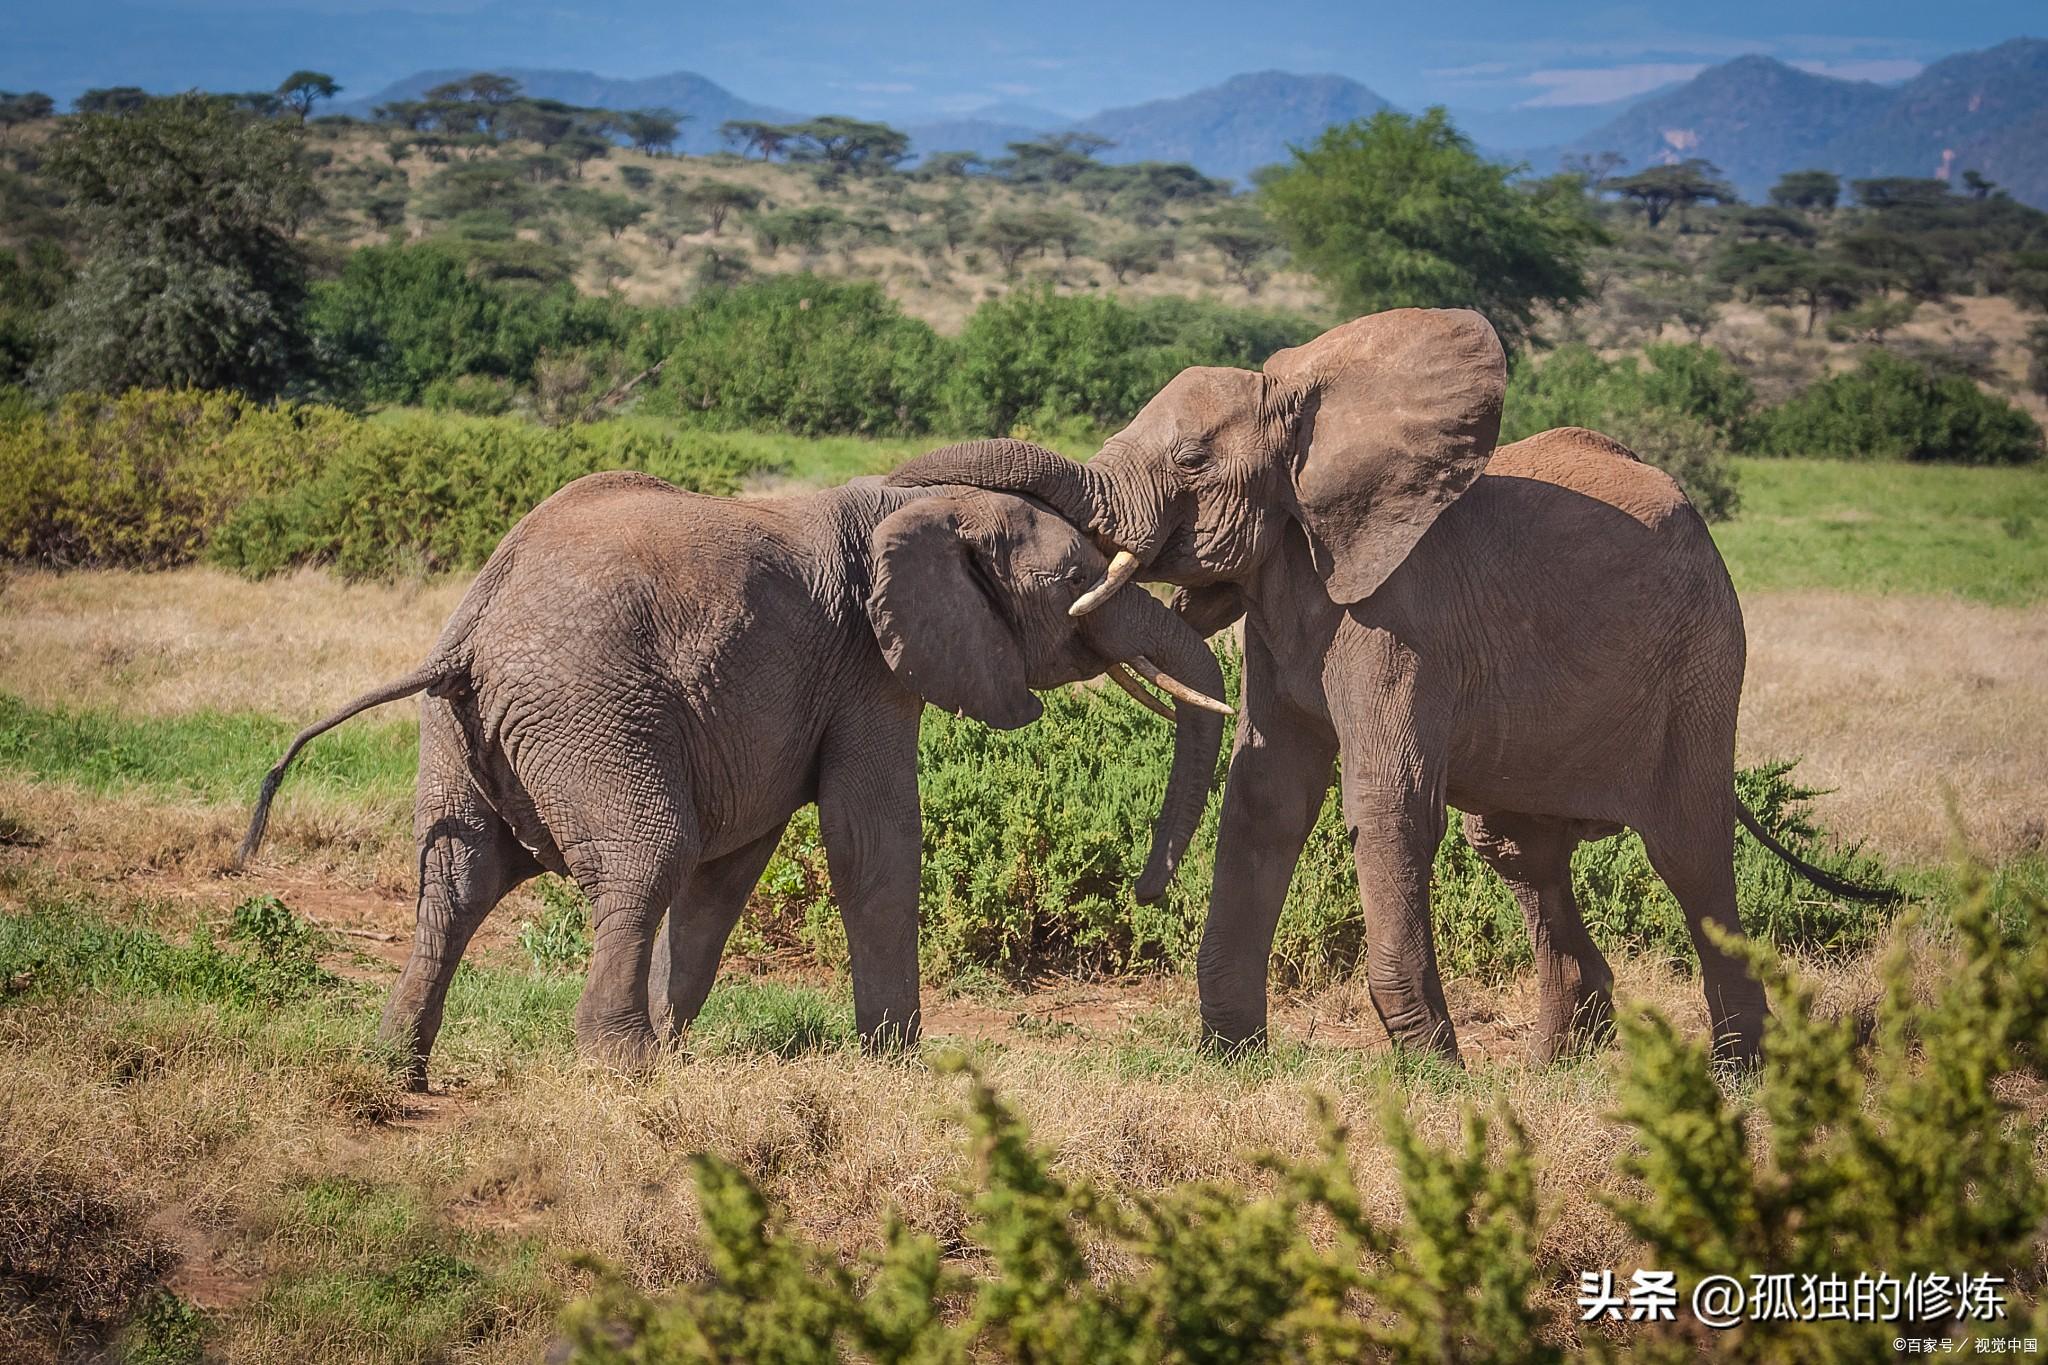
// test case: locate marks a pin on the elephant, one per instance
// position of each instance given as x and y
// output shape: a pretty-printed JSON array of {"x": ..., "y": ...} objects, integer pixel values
[
  {"x": 1542, "y": 636},
  {"x": 643, "y": 685}
]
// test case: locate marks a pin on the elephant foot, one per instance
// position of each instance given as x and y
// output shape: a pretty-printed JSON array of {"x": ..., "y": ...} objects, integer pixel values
[
  {"x": 1233, "y": 1036},
  {"x": 1572, "y": 1023},
  {"x": 632, "y": 1047},
  {"x": 1427, "y": 1038}
]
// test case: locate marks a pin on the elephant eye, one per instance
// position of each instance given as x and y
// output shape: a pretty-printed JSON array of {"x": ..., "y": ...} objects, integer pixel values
[
  {"x": 1191, "y": 456},
  {"x": 1076, "y": 575}
]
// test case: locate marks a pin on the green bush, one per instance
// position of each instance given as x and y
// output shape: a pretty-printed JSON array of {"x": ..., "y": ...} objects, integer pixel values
[
  {"x": 1897, "y": 1156},
  {"x": 1892, "y": 409},
  {"x": 1683, "y": 412},
  {"x": 801, "y": 354},
  {"x": 143, "y": 479},
  {"x": 1034, "y": 837},
  {"x": 406, "y": 322},
  {"x": 1037, "y": 358},
  {"x": 431, "y": 493}
]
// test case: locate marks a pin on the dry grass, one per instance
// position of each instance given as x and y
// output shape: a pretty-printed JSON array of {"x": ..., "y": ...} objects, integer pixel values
[
  {"x": 942, "y": 292},
  {"x": 1891, "y": 701},
  {"x": 1887, "y": 699},
  {"x": 201, "y": 640}
]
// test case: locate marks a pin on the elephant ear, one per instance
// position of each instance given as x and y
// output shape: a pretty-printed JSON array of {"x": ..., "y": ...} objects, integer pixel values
[
  {"x": 935, "y": 611},
  {"x": 1399, "y": 414}
]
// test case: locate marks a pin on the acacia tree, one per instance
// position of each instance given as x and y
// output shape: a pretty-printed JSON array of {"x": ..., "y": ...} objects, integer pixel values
[
  {"x": 1660, "y": 190},
  {"x": 195, "y": 277},
  {"x": 652, "y": 130},
  {"x": 1808, "y": 191},
  {"x": 1396, "y": 211},
  {"x": 716, "y": 199},
  {"x": 303, "y": 89}
]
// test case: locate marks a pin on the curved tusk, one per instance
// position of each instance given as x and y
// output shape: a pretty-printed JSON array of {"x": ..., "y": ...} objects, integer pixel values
[
  {"x": 1121, "y": 676},
  {"x": 1175, "y": 688},
  {"x": 1123, "y": 567}
]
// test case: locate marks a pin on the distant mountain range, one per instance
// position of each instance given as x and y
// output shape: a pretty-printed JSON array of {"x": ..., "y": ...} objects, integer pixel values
[
  {"x": 1754, "y": 117},
  {"x": 1757, "y": 118}
]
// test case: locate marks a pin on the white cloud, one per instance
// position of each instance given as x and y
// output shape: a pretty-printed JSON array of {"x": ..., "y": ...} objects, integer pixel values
[{"x": 1599, "y": 84}]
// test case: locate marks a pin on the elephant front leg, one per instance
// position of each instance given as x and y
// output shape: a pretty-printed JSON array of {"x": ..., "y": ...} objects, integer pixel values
[
  {"x": 1279, "y": 773},
  {"x": 868, "y": 815}
]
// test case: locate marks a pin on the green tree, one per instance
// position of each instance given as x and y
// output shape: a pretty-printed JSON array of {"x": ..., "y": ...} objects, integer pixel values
[
  {"x": 30, "y": 107},
  {"x": 1010, "y": 233},
  {"x": 1770, "y": 272},
  {"x": 1243, "y": 237},
  {"x": 652, "y": 130},
  {"x": 303, "y": 89},
  {"x": 716, "y": 199},
  {"x": 1662, "y": 190},
  {"x": 1396, "y": 211},
  {"x": 1808, "y": 191},
  {"x": 116, "y": 99},
  {"x": 195, "y": 277},
  {"x": 1137, "y": 255},
  {"x": 1900, "y": 192},
  {"x": 31, "y": 282}
]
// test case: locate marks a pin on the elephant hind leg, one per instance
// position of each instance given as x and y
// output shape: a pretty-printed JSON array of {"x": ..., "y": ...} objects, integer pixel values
[
  {"x": 469, "y": 860},
  {"x": 1575, "y": 986},
  {"x": 1693, "y": 850},
  {"x": 694, "y": 933}
]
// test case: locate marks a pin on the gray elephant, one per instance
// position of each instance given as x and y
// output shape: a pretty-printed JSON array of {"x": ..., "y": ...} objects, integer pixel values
[
  {"x": 643, "y": 684},
  {"x": 1554, "y": 648}
]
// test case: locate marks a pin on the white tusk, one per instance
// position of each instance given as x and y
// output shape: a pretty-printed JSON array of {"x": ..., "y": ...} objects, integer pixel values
[
  {"x": 1121, "y": 676},
  {"x": 1123, "y": 567},
  {"x": 1175, "y": 688}
]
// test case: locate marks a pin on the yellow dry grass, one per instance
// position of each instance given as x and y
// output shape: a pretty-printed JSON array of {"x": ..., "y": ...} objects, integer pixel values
[
  {"x": 1891, "y": 701},
  {"x": 1886, "y": 699}
]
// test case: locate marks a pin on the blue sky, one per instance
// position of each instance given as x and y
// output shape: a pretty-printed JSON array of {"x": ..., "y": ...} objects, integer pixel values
[{"x": 891, "y": 58}]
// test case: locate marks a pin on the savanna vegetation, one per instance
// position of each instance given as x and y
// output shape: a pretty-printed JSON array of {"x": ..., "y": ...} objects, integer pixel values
[{"x": 260, "y": 416}]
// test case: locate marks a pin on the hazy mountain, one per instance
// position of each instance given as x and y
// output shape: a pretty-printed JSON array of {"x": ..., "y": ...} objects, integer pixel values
[
  {"x": 1984, "y": 111},
  {"x": 1229, "y": 129},
  {"x": 977, "y": 132},
  {"x": 1536, "y": 134},
  {"x": 1753, "y": 117},
  {"x": 706, "y": 103}
]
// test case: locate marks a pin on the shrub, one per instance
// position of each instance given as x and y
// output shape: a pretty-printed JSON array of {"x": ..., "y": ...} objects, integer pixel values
[
  {"x": 1034, "y": 837},
  {"x": 1682, "y": 412},
  {"x": 408, "y": 322},
  {"x": 143, "y": 479},
  {"x": 800, "y": 354},
  {"x": 438, "y": 493},
  {"x": 1893, "y": 409},
  {"x": 1901, "y": 1157}
]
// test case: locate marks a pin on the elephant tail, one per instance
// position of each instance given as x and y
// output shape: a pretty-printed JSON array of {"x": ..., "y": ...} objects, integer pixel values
[
  {"x": 1826, "y": 881},
  {"x": 439, "y": 675}
]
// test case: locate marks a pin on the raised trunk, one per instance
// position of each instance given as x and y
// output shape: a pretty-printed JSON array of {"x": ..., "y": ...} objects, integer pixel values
[
  {"x": 1134, "y": 623},
  {"x": 1120, "y": 504}
]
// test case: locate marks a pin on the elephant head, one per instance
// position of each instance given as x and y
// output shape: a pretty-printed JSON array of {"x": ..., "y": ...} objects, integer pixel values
[
  {"x": 972, "y": 604},
  {"x": 1360, "y": 437}
]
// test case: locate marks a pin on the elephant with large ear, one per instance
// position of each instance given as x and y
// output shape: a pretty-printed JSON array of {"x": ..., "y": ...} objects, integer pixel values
[
  {"x": 1547, "y": 641},
  {"x": 644, "y": 684}
]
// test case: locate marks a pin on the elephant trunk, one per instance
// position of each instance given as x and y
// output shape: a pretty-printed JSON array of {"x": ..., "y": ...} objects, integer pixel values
[
  {"x": 1107, "y": 496},
  {"x": 1134, "y": 625}
]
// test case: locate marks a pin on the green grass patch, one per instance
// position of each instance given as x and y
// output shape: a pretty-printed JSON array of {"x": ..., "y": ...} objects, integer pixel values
[
  {"x": 210, "y": 755},
  {"x": 1883, "y": 527},
  {"x": 743, "y": 1017}
]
